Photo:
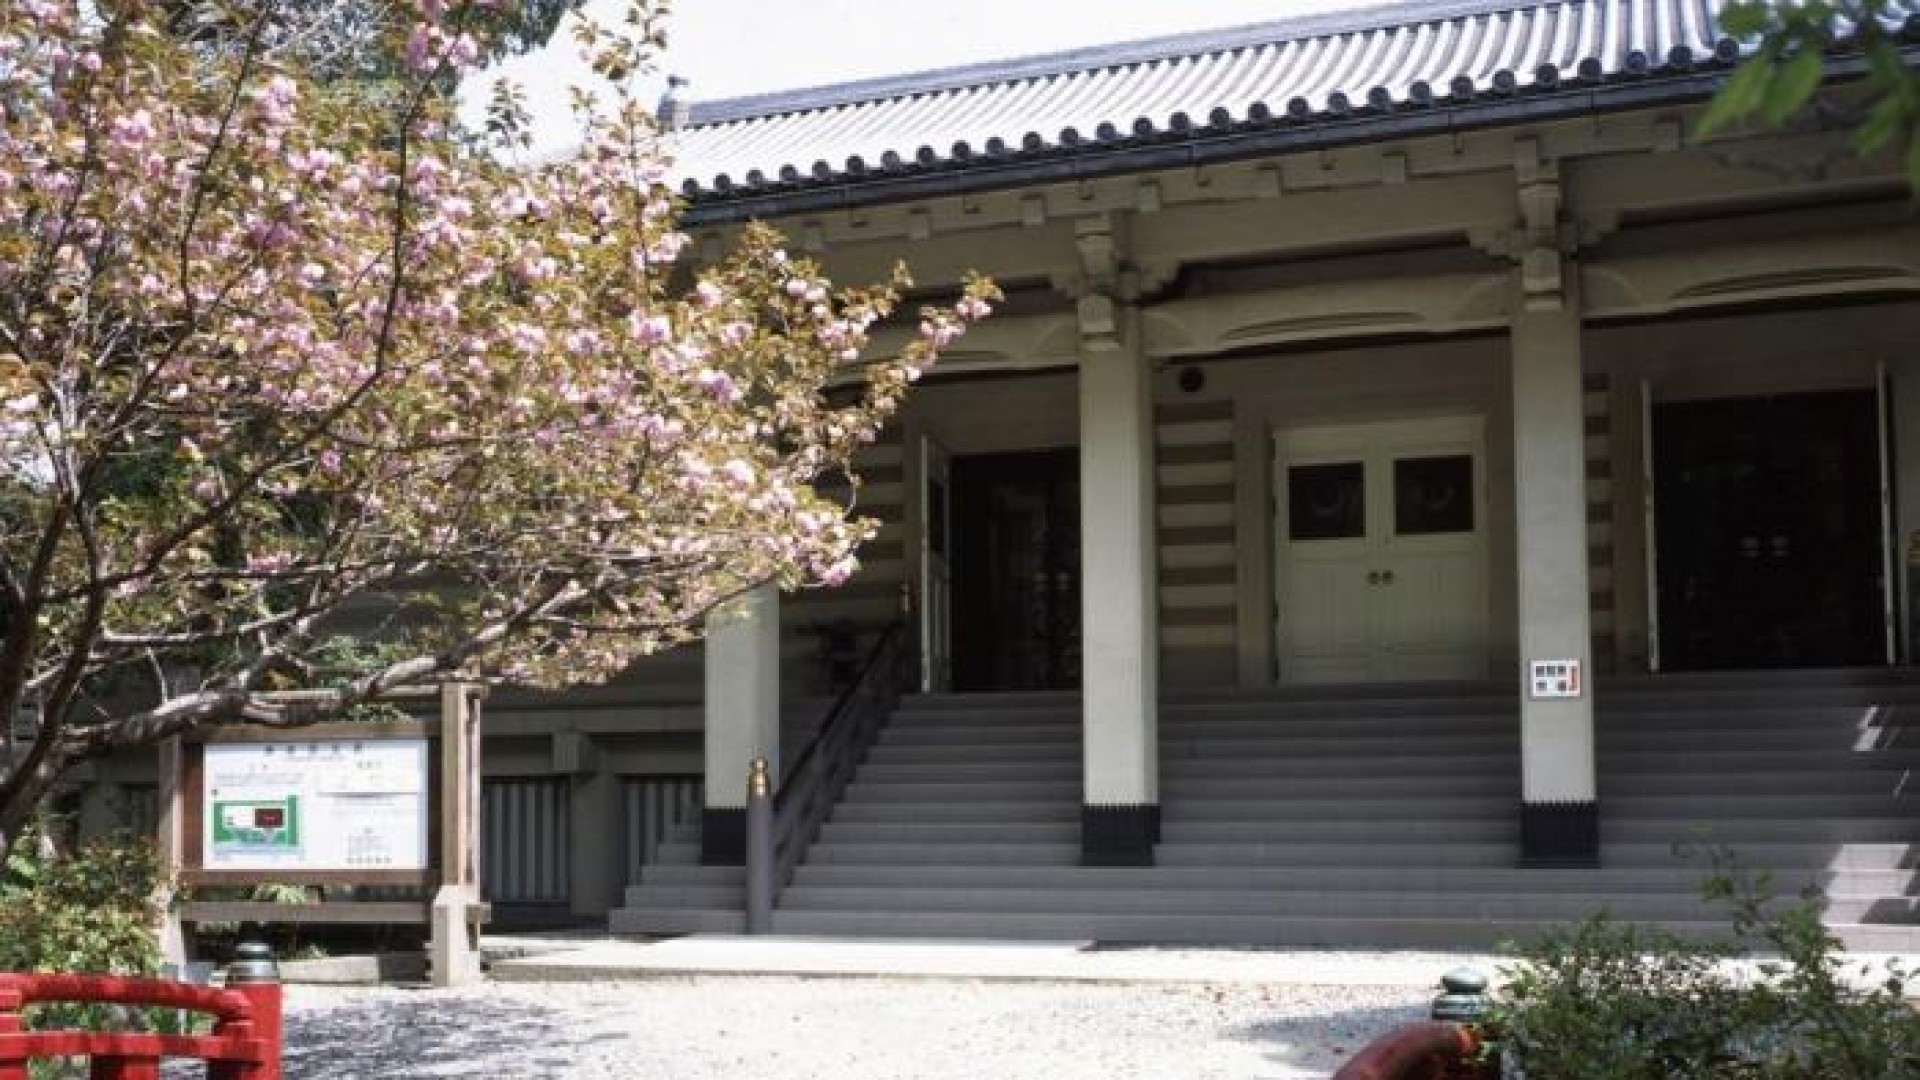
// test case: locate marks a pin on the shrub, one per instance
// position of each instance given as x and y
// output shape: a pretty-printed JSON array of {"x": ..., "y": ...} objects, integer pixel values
[
  {"x": 88, "y": 911},
  {"x": 1603, "y": 1000}
]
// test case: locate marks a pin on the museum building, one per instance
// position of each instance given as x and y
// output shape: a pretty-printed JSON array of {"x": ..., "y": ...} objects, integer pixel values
[{"x": 1416, "y": 489}]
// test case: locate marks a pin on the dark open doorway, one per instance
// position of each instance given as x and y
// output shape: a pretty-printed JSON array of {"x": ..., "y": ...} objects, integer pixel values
[
  {"x": 1016, "y": 571},
  {"x": 1769, "y": 532}
]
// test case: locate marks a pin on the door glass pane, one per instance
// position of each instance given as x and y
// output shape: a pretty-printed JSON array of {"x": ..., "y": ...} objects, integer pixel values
[
  {"x": 1433, "y": 495},
  {"x": 1326, "y": 502}
]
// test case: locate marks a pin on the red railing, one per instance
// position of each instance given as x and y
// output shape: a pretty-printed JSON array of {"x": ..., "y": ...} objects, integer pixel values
[
  {"x": 244, "y": 1044},
  {"x": 1425, "y": 1051}
]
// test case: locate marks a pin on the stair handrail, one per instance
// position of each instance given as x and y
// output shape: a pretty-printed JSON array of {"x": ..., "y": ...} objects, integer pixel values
[{"x": 823, "y": 769}]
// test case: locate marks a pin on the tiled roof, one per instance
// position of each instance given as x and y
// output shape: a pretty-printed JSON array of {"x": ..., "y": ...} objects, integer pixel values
[{"x": 1324, "y": 72}]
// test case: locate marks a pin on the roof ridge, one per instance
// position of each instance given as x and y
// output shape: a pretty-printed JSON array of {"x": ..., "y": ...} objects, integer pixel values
[{"x": 1191, "y": 43}]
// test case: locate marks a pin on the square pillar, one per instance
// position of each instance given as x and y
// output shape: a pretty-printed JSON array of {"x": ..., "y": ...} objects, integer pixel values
[
  {"x": 597, "y": 864},
  {"x": 742, "y": 715},
  {"x": 1559, "y": 812},
  {"x": 1120, "y": 813}
]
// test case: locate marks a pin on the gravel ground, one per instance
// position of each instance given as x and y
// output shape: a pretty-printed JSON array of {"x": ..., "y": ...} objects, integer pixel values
[{"x": 781, "y": 1028}]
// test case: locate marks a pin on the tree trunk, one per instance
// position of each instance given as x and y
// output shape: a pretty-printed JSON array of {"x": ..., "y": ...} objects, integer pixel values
[{"x": 18, "y": 804}]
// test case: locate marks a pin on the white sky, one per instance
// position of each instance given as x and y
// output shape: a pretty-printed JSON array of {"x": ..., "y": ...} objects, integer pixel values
[{"x": 729, "y": 48}]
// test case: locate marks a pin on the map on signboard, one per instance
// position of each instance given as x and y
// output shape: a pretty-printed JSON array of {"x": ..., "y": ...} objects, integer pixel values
[
  {"x": 319, "y": 804},
  {"x": 263, "y": 824}
]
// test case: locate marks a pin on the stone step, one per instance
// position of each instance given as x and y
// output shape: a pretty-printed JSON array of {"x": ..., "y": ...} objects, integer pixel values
[
  {"x": 964, "y": 854},
  {"x": 900, "y": 763},
  {"x": 868, "y": 789},
  {"x": 1763, "y": 805},
  {"x": 894, "y": 752},
  {"x": 1742, "y": 833},
  {"x": 1206, "y": 904},
  {"x": 946, "y": 832},
  {"x": 1744, "y": 709},
  {"x": 1756, "y": 696},
  {"x": 1706, "y": 763},
  {"x": 1735, "y": 785},
  {"x": 686, "y": 896},
  {"x": 1821, "y": 740},
  {"x": 1692, "y": 857},
  {"x": 661, "y": 873},
  {"x": 859, "y": 811},
  {"x": 1444, "y": 786},
  {"x": 1403, "y": 932},
  {"x": 1791, "y": 678},
  {"x": 1504, "y": 879},
  {"x": 659, "y": 920},
  {"x": 1501, "y": 828},
  {"x": 1310, "y": 816},
  {"x": 1264, "y": 929},
  {"x": 1189, "y": 809},
  {"x": 1428, "y": 729}
]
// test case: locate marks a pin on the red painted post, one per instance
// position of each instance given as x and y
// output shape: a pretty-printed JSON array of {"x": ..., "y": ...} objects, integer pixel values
[
  {"x": 256, "y": 977},
  {"x": 11, "y": 1067}
]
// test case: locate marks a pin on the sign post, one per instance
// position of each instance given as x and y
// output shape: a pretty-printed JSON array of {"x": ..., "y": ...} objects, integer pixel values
[
  {"x": 389, "y": 803},
  {"x": 454, "y": 954}
]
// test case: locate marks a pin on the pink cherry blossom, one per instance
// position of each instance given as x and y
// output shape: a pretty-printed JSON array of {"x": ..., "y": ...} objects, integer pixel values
[{"x": 343, "y": 378}]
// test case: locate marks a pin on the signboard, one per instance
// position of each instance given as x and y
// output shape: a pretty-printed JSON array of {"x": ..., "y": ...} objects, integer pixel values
[
  {"x": 1549, "y": 680},
  {"x": 315, "y": 804}
]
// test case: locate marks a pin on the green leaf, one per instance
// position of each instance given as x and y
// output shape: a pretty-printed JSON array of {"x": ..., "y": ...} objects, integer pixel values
[
  {"x": 1888, "y": 70},
  {"x": 1741, "y": 96},
  {"x": 1744, "y": 20},
  {"x": 1881, "y": 125},
  {"x": 1793, "y": 87},
  {"x": 1913, "y": 161}
]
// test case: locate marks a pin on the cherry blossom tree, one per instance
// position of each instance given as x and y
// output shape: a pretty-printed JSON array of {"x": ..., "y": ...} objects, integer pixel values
[{"x": 300, "y": 390}]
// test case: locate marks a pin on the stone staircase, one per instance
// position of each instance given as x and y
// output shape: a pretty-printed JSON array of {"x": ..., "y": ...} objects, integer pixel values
[{"x": 1352, "y": 816}]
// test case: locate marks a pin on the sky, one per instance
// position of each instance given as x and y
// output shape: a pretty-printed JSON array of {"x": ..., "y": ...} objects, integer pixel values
[{"x": 732, "y": 48}]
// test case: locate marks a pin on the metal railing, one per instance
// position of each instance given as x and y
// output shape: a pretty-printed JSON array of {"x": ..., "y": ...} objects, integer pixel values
[{"x": 781, "y": 826}]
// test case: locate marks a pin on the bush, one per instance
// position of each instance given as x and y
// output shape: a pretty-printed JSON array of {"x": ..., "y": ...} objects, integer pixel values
[
  {"x": 92, "y": 912},
  {"x": 89, "y": 911},
  {"x": 1603, "y": 1000}
]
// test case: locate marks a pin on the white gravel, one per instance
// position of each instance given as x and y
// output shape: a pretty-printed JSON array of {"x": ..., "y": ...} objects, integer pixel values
[{"x": 782, "y": 1028}]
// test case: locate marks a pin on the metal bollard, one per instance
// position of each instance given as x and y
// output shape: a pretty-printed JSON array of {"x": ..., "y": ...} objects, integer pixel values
[
  {"x": 256, "y": 975},
  {"x": 760, "y": 853},
  {"x": 1465, "y": 999}
]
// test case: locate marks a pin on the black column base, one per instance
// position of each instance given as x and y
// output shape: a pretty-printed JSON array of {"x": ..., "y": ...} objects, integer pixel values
[
  {"x": 723, "y": 837},
  {"x": 1560, "y": 834},
  {"x": 1118, "y": 835}
]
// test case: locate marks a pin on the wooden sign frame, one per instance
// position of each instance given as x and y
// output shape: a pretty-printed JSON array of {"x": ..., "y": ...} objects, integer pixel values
[
  {"x": 193, "y": 870},
  {"x": 455, "y": 911}
]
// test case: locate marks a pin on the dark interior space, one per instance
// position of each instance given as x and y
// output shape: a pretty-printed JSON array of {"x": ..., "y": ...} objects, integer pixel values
[
  {"x": 1016, "y": 571},
  {"x": 1769, "y": 532}
]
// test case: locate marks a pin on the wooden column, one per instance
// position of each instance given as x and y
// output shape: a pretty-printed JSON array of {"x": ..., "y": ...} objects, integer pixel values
[{"x": 454, "y": 951}]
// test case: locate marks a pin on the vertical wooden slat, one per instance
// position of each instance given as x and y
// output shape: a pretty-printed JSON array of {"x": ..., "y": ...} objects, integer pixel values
[
  {"x": 527, "y": 836},
  {"x": 653, "y": 807}
]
